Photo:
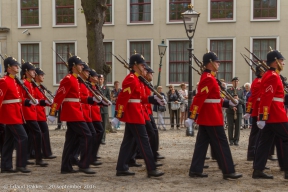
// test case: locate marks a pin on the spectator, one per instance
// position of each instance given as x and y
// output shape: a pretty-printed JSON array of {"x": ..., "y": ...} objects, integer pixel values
[
  {"x": 174, "y": 99},
  {"x": 223, "y": 109},
  {"x": 183, "y": 108},
  {"x": 114, "y": 95},
  {"x": 246, "y": 95},
  {"x": 160, "y": 110}
]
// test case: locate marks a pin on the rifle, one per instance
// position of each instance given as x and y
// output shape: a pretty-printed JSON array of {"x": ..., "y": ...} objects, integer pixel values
[
  {"x": 82, "y": 80},
  {"x": 251, "y": 67},
  {"x": 141, "y": 78},
  {"x": 19, "y": 82}
]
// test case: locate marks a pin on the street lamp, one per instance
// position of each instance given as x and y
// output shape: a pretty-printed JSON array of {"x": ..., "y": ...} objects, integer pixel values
[
  {"x": 190, "y": 19},
  {"x": 162, "y": 49}
]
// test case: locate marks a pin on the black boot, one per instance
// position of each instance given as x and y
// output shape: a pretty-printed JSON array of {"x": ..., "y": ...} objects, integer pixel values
[{"x": 257, "y": 174}]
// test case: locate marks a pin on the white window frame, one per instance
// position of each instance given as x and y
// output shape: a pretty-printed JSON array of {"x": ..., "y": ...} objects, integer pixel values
[
  {"x": 234, "y": 50},
  {"x": 19, "y": 16},
  {"x": 151, "y": 50},
  {"x": 140, "y": 23},
  {"x": 261, "y": 37},
  {"x": 221, "y": 20},
  {"x": 113, "y": 63},
  {"x": 252, "y": 11},
  {"x": 30, "y": 42},
  {"x": 0, "y": 13},
  {"x": 167, "y": 13},
  {"x": 55, "y": 56},
  {"x": 54, "y": 15},
  {"x": 113, "y": 13},
  {"x": 168, "y": 61}
]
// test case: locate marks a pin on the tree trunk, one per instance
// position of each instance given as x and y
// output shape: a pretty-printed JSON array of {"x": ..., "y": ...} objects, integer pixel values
[{"x": 94, "y": 11}]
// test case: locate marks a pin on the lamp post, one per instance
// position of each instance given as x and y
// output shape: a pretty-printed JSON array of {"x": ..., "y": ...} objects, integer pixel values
[
  {"x": 162, "y": 49},
  {"x": 190, "y": 19}
]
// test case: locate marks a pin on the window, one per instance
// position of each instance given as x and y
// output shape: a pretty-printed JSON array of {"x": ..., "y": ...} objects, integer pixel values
[
  {"x": 176, "y": 7},
  {"x": 64, "y": 12},
  {"x": 221, "y": 9},
  {"x": 143, "y": 48},
  {"x": 29, "y": 12},
  {"x": 109, "y": 13},
  {"x": 30, "y": 53},
  {"x": 224, "y": 51},
  {"x": 261, "y": 47},
  {"x": 265, "y": 9},
  {"x": 63, "y": 49},
  {"x": 140, "y": 11},
  {"x": 108, "y": 59},
  {"x": 178, "y": 62}
]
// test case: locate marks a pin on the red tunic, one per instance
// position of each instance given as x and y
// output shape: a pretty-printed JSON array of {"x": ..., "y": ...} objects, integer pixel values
[
  {"x": 95, "y": 109},
  {"x": 271, "y": 106},
  {"x": 254, "y": 99},
  {"x": 10, "y": 113},
  {"x": 69, "y": 89},
  {"x": 207, "y": 104},
  {"x": 40, "y": 108},
  {"x": 29, "y": 110},
  {"x": 129, "y": 105},
  {"x": 86, "y": 108},
  {"x": 148, "y": 105}
]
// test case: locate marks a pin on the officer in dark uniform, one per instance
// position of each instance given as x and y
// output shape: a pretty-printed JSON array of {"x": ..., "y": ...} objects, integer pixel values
[
  {"x": 104, "y": 109},
  {"x": 78, "y": 133},
  {"x": 129, "y": 109},
  {"x": 11, "y": 114},
  {"x": 206, "y": 102},
  {"x": 234, "y": 114}
]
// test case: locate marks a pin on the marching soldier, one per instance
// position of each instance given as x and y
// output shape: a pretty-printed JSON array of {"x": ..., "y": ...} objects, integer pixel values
[
  {"x": 11, "y": 114},
  {"x": 129, "y": 110},
  {"x": 68, "y": 95},
  {"x": 30, "y": 113},
  {"x": 206, "y": 102},
  {"x": 272, "y": 116},
  {"x": 41, "y": 115},
  {"x": 234, "y": 114}
]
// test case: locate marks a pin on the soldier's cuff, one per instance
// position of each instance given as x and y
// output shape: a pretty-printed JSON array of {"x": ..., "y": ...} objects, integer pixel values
[
  {"x": 194, "y": 113},
  {"x": 42, "y": 103},
  {"x": 286, "y": 100},
  {"x": 225, "y": 103},
  {"x": 53, "y": 110},
  {"x": 249, "y": 108},
  {"x": 27, "y": 103},
  {"x": 90, "y": 100},
  {"x": 119, "y": 113},
  {"x": 194, "y": 117}
]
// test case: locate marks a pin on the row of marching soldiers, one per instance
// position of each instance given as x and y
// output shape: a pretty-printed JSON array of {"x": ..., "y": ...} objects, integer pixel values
[
  {"x": 266, "y": 106},
  {"x": 80, "y": 101}
]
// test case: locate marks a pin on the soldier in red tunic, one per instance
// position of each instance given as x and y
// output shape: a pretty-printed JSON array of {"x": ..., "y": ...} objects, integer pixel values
[
  {"x": 129, "y": 109},
  {"x": 41, "y": 115},
  {"x": 206, "y": 102},
  {"x": 30, "y": 113},
  {"x": 78, "y": 133},
  {"x": 11, "y": 114},
  {"x": 272, "y": 116}
]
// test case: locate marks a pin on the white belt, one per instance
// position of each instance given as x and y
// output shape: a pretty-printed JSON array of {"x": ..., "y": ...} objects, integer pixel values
[
  {"x": 278, "y": 99},
  {"x": 258, "y": 99},
  {"x": 134, "y": 101},
  {"x": 71, "y": 100},
  {"x": 212, "y": 101},
  {"x": 11, "y": 101}
]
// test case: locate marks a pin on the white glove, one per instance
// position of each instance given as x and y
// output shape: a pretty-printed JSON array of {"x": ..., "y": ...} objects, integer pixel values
[
  {"x": 246, "y": 116},
  {"x": 105, "y": 103},
  {"x": 160, "y": 101},
  {"x": 51, "y": 118},
  {"x": 232, "y": 104},
  {"x": 261, "y": 124},
  {"x": 32, "y": 103},
  {"x": 48, "y": 103},
  {"x": 189, "y": 122},
  {"x": 97, "y": 100},
  {"x": 115, "y": 122}
]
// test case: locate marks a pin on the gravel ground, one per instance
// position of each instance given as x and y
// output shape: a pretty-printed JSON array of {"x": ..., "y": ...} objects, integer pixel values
[{"x": 174, "y": 145}]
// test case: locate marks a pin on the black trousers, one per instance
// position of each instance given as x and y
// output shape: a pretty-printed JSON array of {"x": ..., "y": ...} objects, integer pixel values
[
  {"x": 93, "y": 140},
  {"x": 252, "y": 138},
  {"x": 155, "y": 131},
  {"x": 139, "y": 133},
  {"x": 46, "y": 145},
  {"x": 2, "y": 136},
  {"x": 15, "y": 135},
  {"x": 266, "y": 140},
  {"x": 99, "y": 134},
  {"x": 34, "y": 138},
  {"x": 77, "y": 134},
  {"x": 216, "y": 136}
]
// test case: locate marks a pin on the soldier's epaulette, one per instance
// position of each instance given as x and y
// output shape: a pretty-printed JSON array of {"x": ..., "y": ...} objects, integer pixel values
[
  {"x": 132, "y": 75},
  {"x": 260, "y": 79},
  {"x": 209, "y": 75},
  {"x": 274, "y": 73},
  {"x": 69, "y": 75}
]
